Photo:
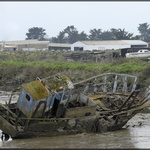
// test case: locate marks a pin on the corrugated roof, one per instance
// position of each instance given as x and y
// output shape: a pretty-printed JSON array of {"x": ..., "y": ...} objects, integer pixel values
[
  {"x": 59, "y": 45},
  {"x": 37, "y": 42},
  {"x": 7, "y": 46},
  {"x": 114, "y": 42},
  {"x": 137, "y": 42},
  {"x": 26, "y": 42}
]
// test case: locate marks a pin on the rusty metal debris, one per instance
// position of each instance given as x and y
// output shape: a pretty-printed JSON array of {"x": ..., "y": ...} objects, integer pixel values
[{"x": 55, "y": 106}]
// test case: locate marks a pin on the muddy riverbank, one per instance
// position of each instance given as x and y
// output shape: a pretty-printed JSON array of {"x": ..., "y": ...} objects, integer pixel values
[{"x": 135, "y": 134}]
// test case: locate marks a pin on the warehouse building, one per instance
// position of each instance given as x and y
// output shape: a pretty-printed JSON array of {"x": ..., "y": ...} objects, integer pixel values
[
  {"x": 107, "y": 45},
  {"x": 25, "y": 45},
  {"x": 59, "y": 46},
  {"x": 32, "y": 45}
]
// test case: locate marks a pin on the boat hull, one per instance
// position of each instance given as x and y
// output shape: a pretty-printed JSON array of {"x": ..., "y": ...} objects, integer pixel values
[{"x": 98, "y": 123}]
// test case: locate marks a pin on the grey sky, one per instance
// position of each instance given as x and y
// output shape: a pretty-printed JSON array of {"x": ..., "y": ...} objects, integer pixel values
[{"x": 18, "y": 17}]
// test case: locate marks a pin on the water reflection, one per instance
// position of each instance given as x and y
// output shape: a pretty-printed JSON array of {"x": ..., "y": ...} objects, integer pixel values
[
  {"x": 117, "y": 139},
  {"x": 140, "y": 137},
  {"x": 139, "y": 128}
]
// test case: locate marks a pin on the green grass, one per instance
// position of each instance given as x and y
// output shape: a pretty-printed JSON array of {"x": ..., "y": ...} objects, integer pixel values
[
  {"x": 23, "y": 67},
  {"x": 56, "y": 60},
  {"x": 126, "y": 67}
]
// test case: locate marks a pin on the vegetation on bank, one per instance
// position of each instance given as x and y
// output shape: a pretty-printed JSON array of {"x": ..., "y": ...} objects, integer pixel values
[
  {"x": 20, "y": 67},
  {"x": 115, "y": 66}
]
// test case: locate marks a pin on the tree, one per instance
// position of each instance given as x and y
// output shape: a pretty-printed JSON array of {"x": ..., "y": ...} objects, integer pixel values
[
  {"x": 36, "y": 33},
  {"x": 68, "y": 35},
  {"x": 107, "y": 35},
  {"x": 144, "y": 31},
  {"x": 95, "y": 34},
  {"x": 121, "y": 34},
  {"x": 71, "y": 33},
  {"x": 137, "y": 37},
  {"x": 61, "y": 37},
  {"x": 82, "y": 36},
  {"x": 54, "y": 40}
]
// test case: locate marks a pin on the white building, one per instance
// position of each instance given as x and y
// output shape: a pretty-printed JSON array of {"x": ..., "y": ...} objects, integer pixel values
[
  {"x": 107, "y": 45},
  {"x": 24, "y": 45},
  {"x": 32, "y": 45}
]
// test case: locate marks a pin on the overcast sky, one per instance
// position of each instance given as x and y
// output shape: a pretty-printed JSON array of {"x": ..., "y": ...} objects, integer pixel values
[{"x": 17, "y": 17}]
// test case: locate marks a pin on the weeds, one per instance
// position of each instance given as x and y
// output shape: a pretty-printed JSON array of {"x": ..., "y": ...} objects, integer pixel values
[{"x": 20, "y": 67}]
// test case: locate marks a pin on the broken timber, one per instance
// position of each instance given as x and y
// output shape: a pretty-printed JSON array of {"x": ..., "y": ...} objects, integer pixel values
[{"x": 56, "y": 106}]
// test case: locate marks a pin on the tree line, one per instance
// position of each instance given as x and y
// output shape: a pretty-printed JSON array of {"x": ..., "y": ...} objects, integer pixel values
[{"x": 70, "y": 34}]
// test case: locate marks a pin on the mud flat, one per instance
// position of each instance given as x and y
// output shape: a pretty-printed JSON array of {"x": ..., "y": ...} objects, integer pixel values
[
  {"x": 139, "y": 120},
  {"x": 5, "y": 96},
  {"x": 135, "y": 134}
]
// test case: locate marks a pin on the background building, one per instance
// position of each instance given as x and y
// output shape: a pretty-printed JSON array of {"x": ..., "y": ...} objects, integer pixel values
[
  {"x": 31, "y": 45},
  {"x": 25, "y": 45},
  {"x": 59, "y": 46},
  {"x": 107, "y": 45}
]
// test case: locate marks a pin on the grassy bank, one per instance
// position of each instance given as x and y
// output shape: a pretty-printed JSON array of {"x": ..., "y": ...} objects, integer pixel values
[
  {"x": 120, "y": 65},
  {"x": 18, "y": 68}
]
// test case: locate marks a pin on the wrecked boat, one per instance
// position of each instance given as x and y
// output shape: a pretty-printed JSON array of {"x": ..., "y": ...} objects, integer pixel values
[{"x": 56, "y": 106}]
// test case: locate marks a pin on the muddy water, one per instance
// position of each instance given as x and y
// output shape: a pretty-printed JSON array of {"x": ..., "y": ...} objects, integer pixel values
[{"x": 135, "y": 134}]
